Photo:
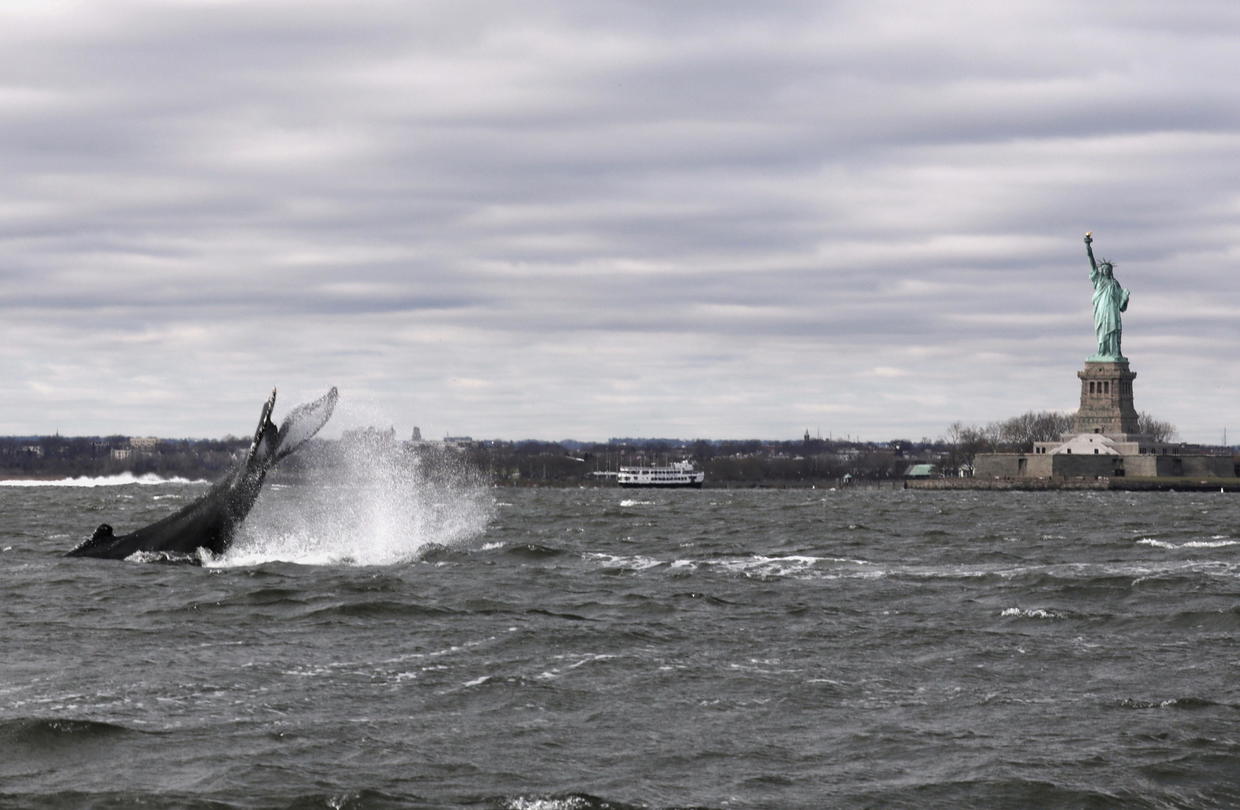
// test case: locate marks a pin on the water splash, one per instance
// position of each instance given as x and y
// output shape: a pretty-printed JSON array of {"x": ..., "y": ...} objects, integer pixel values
[{"x": 365, "y": 503}]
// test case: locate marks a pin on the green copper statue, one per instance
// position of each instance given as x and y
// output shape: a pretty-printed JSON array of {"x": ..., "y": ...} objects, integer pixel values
[{"x": 1110, "y": 300}]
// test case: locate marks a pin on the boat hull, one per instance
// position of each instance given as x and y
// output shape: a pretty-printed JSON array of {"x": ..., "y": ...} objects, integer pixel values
[{"x": 662, "y": 485}]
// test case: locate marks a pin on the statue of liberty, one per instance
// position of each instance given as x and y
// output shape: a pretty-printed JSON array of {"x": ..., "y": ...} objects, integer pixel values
[{"x": 1110, "y": 300}]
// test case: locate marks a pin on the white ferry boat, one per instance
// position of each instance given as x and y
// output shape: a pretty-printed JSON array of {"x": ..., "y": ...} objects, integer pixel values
[{"x": 678, "y": 474}]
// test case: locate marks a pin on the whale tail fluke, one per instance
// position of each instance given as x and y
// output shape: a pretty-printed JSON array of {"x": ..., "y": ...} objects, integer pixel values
[{"x": 302, "y": 423}]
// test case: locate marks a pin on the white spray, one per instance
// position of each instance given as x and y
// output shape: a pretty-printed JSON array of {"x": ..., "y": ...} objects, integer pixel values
[{"x": 369, "y": 500}]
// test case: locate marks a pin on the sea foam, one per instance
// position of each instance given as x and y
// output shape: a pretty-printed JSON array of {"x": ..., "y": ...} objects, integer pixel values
[{"x": 121, "y": 480}]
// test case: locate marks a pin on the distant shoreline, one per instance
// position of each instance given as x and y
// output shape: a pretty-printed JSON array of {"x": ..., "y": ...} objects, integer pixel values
[
  {"x": 1117, "y": 484},
  {"x": 927, "y": 484}
]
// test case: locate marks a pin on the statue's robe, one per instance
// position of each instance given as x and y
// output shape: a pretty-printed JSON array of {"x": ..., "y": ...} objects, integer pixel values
[{"x": 1110, "y": 300}]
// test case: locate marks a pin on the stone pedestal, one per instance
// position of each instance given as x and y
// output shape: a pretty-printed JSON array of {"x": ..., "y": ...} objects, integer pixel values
[
  {"x": 1104, "y": 442},
  {"x": 1106, "y": 399}
]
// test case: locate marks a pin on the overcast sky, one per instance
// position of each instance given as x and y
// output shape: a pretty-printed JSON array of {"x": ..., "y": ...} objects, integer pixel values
[{"x": 569, "y": 219}]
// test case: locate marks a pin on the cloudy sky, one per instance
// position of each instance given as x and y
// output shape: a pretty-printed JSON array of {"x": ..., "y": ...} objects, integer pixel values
[{"x": 565, "y": 219}]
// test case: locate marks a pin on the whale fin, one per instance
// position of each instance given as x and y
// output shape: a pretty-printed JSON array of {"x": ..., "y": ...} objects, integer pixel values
[{"x": 302, "y": 423}]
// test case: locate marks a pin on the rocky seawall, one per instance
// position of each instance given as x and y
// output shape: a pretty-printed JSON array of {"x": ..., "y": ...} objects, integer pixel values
[{"x": 1120, "y": 483}]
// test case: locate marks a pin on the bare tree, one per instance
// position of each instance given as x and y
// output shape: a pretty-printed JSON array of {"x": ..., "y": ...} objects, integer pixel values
[
  {"x": 1018, "y": 434},
  {"x": 1156, "y": 429},
  {"x": 966, "y": 441}
]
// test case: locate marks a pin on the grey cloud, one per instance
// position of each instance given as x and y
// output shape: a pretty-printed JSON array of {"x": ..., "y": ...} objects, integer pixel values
[{"x": 529, "y": 221}]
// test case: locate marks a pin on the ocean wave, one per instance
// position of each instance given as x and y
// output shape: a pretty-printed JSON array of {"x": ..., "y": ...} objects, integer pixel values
[
  {"x": 1170, "y": 703},
  {"x": 791, "y": 566},
  {"x": 1213, "y": 543},
  {"x": 574, "y": 662},
  {"x": 532, "y": 551},
  {"x": 377, "y": 609},
  {"x": 574, "y": 801},
  {"x": 1026, "y": 613},
  {"x": 122, "y": 480},
  {"x": 800, "y": 566},
  {"x": 634, "y": 562},
  {"x": 45, "y": 730},
  {"x": 758, "y": 565},
  {"x": 563, "y": 801}
]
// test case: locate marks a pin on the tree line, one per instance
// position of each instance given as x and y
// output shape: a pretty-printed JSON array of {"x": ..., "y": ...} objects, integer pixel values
[
  {"x": 1019, "y": 433},
  {"x": 97, "y": 456},
  {"x": 751, "y": 462},
  {"x": 521, "y": 463}
]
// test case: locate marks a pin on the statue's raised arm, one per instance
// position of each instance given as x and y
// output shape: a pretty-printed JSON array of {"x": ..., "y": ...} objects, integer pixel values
[{"x": 1089, "y": 251}]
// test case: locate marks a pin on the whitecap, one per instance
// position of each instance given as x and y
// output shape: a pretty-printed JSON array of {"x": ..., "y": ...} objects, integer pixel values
[
  {"x": 795, "y": 565},
  {"x": 1035, "y": 613},
  {"x": 624, "y": 561},
  {"x": 1215, "y": 543},
  {"x": 124, "y": 479},
  {"x": 1149, "y": 541},
  {"x": 567, "y": 803}
]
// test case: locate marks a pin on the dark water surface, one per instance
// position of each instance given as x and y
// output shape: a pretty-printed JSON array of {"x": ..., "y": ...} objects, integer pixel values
[{"x": 565, "y": 649}]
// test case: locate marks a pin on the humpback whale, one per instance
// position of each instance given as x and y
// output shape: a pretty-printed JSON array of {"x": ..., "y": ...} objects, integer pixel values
[{"x": 211, "y": 521}]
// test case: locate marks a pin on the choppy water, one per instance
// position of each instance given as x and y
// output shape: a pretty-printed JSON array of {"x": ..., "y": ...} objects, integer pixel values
[{"x": 565, "y": 649}]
